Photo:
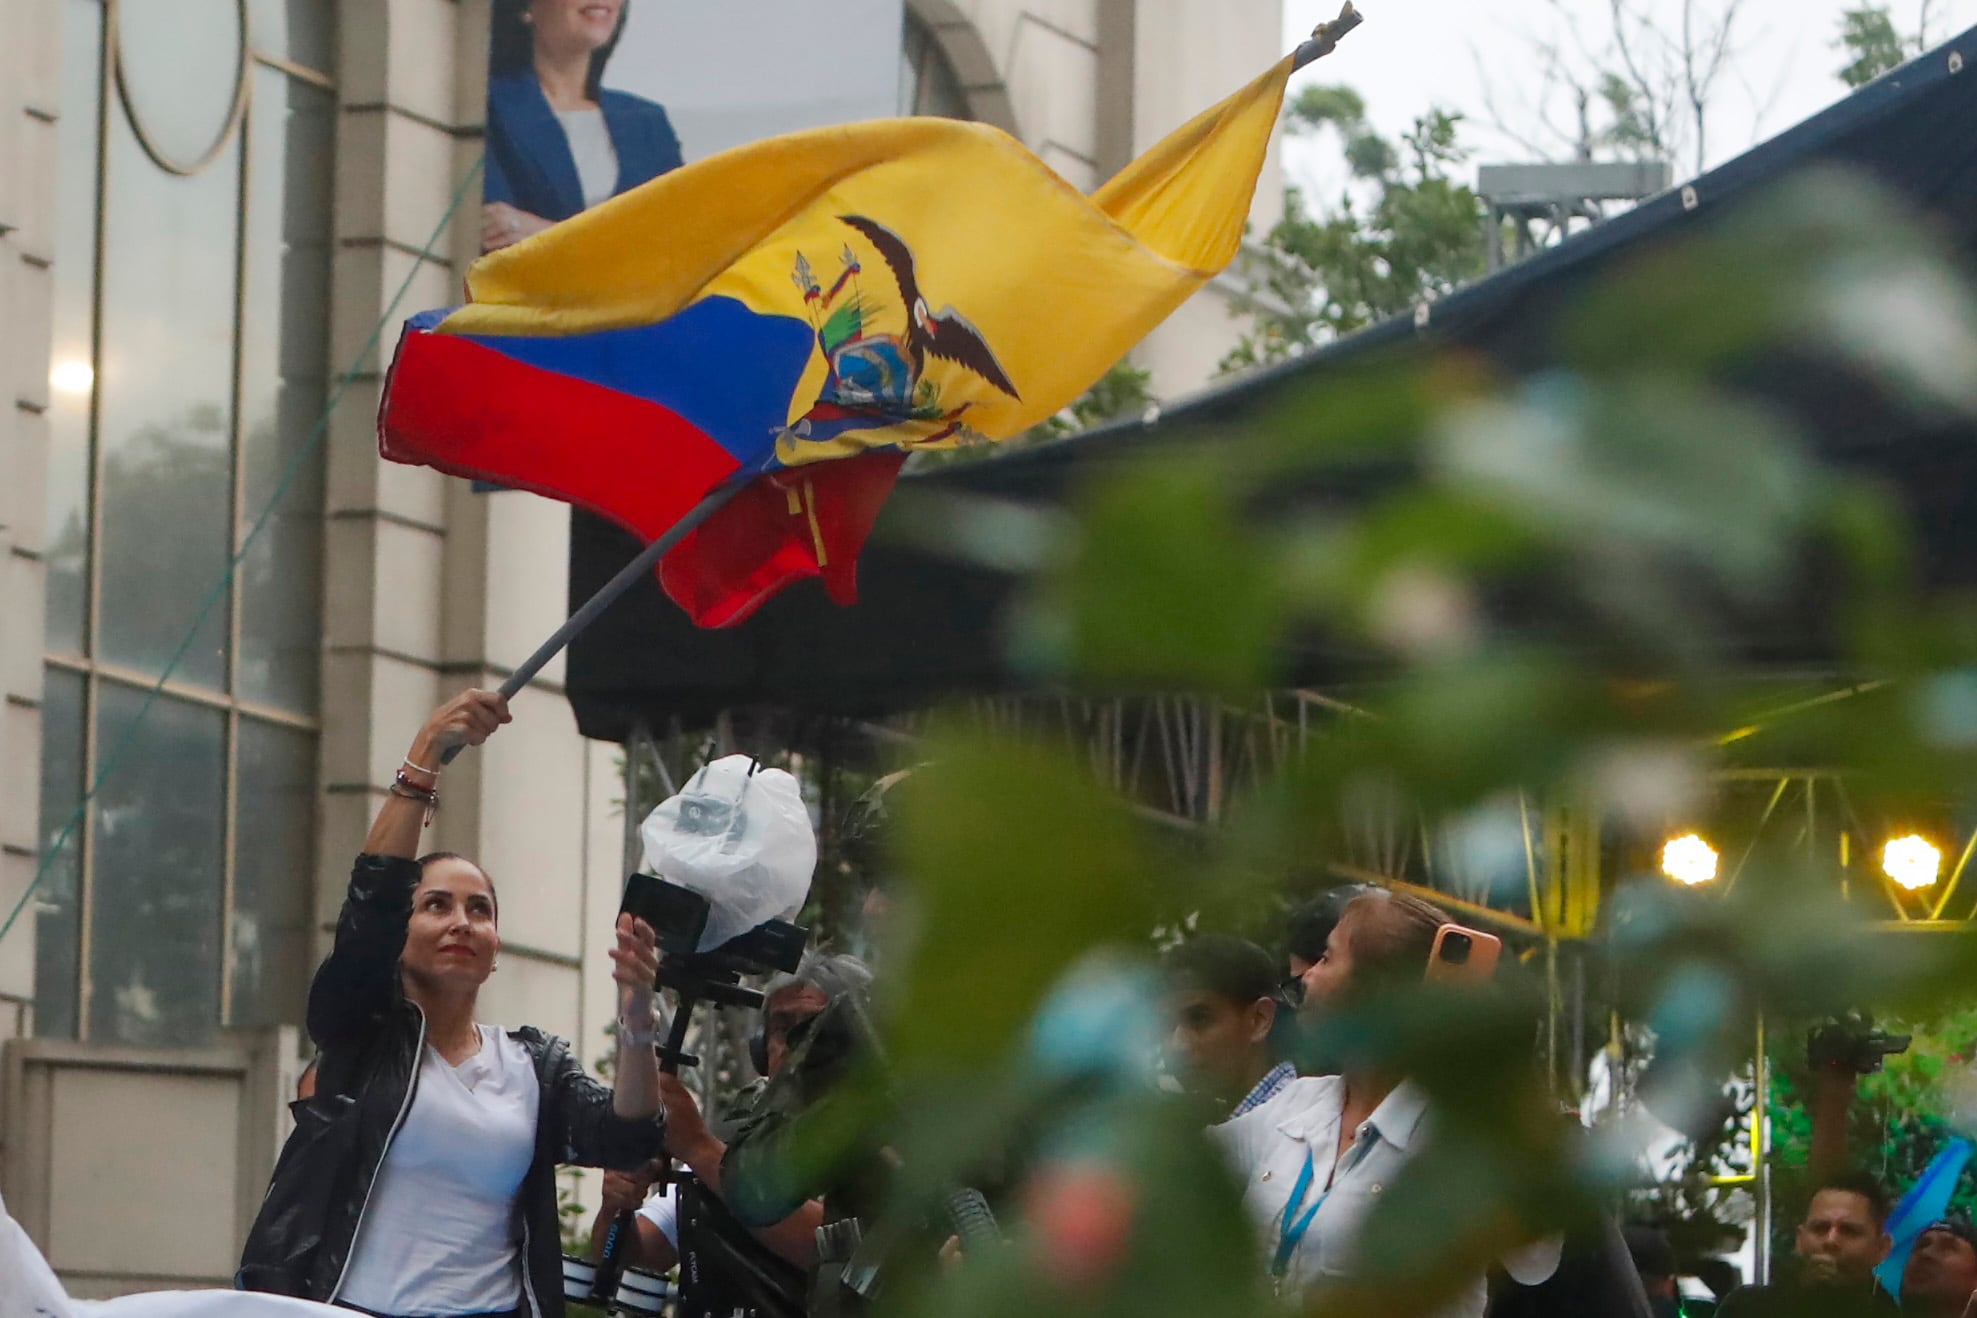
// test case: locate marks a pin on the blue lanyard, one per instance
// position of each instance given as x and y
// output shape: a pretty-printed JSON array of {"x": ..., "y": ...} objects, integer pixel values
[{"x": 1291, "y": 1233}]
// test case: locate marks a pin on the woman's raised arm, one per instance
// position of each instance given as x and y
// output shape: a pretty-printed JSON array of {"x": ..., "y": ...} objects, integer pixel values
[{"x": 468, "y": 719}]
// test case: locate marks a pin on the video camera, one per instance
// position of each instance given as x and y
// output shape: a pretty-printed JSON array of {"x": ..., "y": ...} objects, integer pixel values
[
  {"x": 1852, "y": 1046},
  {"x": 679, "y": 917}
]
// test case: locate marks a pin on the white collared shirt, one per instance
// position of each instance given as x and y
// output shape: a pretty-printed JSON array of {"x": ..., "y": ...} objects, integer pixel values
[{"x": 1269, "y": 1144}]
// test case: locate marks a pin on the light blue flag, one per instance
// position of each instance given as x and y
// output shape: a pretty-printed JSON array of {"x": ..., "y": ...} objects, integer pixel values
[{"x": 1926, "y": 1201}]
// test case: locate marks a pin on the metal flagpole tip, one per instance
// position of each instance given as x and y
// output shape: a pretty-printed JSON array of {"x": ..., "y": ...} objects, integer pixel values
[{"x": 1325, "y": 37}]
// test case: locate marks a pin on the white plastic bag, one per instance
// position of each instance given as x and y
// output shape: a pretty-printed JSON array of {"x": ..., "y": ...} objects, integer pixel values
[{"x": 739, "y": 836}]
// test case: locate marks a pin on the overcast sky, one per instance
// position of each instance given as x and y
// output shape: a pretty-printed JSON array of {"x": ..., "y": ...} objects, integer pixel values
[{"x": 1459, "y": 54}]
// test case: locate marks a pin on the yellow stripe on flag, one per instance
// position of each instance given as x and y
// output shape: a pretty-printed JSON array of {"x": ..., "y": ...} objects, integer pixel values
[{"x": 1043, "y": 287}]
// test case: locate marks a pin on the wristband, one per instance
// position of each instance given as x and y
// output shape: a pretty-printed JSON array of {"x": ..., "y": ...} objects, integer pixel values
[
  {"x": 630, "y": 1036},
  {"x": 419, "y": 768},
  {"x": 411, "y": 791}
]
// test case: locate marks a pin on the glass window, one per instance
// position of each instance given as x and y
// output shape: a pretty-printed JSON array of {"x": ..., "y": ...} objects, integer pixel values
[
  {"x": 284, "y": 356},
  {"x": 58, "y": 917},
  {"x": 272, "y": 907},
  {"x": 157, "y": 871},
  {"x": 181, "y": 64},
  {"x": 164, "y": 423},
  {"x": 72, "y": 359},
  {"x": 299, "y": 31},
  {"x": 189, "y": 373}
]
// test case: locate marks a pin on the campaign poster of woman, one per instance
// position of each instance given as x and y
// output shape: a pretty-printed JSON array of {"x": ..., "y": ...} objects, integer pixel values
[{"x": 590, "y": 98}]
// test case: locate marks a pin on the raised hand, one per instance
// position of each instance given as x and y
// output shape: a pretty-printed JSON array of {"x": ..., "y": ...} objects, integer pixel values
[
  {"x": 635, "y": 965},
  {"x": 468, "y": 719}
]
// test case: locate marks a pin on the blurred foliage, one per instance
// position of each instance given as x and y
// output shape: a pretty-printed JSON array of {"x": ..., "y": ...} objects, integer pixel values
[
  {"x": 1872, "y": 45},
  {"x": 1125, "y": 390},
  {"x": 1544, "y": 588},
  {"x": 1404, "y": 232}
]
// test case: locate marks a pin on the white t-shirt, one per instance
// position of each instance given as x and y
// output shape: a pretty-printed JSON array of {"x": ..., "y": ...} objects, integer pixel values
[
  {"x": 441, "y": 1234},
  {"x": 1269, "y": 1145},
  {"x": 591, "y": 148},
  {"x": 662, "y": 1209}
]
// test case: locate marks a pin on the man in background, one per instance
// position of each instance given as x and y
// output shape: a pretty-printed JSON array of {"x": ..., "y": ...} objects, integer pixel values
[
  {"x": 1654, "y": 1262},
  {"x": 788, "y": 1001},
  {"x": 1940, "y": 1278},
  {"x": 1222, "y": 1007},
  {"x": 1842, "y": 1240}
]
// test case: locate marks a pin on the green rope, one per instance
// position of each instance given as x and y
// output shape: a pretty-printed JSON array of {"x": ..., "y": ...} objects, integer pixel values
[{"x": 225, "y": 583}]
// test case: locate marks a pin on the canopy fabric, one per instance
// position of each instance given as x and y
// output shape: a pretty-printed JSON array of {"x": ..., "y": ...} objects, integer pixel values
[{"x": 927, "y": 627}]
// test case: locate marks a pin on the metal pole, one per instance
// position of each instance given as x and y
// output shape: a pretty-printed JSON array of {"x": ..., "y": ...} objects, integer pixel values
[
  {"x": 1760, "y": 1162},
  {"x": 1325, "y": 37},
  {"x": 607, "y": 595}
]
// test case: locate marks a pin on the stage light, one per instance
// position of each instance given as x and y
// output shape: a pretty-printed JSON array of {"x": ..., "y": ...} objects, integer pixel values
[
  {"x": 1688, "y": 859},
  {"x": 1913, "y": 862},
  {"x": 71, "y": 377}
]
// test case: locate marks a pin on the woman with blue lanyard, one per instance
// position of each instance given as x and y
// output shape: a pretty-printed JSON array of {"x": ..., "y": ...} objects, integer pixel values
[{"x": 1315, "y": 1158}]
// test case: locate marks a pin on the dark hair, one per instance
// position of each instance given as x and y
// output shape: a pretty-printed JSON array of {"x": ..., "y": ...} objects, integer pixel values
[
  {"x": 1854, "y": 1181},
  {"x": 1650, "y": 1248},
  {"x": 434, "y": 857},
  {"x": 1227, "y": 966},
  {"x": 511, "y": 43},
  {"x": 1311, "y": 924},
  {"x": 1955, "y": 1226},
  {"x": 1392, "y": 938}
]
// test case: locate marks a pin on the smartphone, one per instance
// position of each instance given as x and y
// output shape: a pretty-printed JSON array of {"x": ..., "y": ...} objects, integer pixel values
[{"x": 1463, "y": 956}]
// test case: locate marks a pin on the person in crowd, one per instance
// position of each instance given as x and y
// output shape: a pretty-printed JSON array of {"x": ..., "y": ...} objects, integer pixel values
[
  {"x": 1314, "y": 1158},
  {"x": 655, "y": 1244},
  {"x": 1940, "y": 1278},
  {"x": 788, "y": 1002},
  {"x": 420, "y": 1178},
  {"x": 1654, "y": 1262},
  {"x": 558, "y": 141},
  {"x": 1311, "y": 926},
  {"x": 1842, "y": 1240},
  {"x": 1222, "y": 1004}
]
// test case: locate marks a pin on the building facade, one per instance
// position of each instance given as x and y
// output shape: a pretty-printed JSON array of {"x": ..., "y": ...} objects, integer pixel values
[{"x": 212, "y": 216}]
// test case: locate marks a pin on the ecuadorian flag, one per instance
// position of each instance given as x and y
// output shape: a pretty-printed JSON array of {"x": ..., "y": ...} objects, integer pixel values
[{"x": 802, "y": 313}]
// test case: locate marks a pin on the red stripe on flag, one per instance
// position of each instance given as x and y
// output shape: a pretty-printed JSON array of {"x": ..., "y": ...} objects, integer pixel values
[
  {"x": 468, "y": 410},
  {"x": 803, "y": 522}
]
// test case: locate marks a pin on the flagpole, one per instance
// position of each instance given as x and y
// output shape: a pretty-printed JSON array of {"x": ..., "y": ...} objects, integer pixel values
[
  {"x": 628, "y": 576},
  {"x": 1325, "y": 37}
]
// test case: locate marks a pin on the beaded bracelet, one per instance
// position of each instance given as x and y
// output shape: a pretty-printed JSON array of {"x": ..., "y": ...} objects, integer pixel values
[
  {"x": 411, "y": 791},
  {"x": 419, "y": 768}
]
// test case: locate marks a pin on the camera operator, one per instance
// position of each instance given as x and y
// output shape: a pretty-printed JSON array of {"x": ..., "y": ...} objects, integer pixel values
[
  {"x": 790, "y": 1001},
  {"x": 1940, "y": 1278},
  {"x": 1223, "y": 1008},
  {"x": 1842, "y": 1240}
]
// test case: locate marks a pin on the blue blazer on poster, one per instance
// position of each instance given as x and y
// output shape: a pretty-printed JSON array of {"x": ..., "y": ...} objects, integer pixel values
[{"x": 529, "y": 164}]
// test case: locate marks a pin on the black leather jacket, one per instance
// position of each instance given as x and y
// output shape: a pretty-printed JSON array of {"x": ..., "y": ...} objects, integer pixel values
[{"x": 371, "y": 1041}]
